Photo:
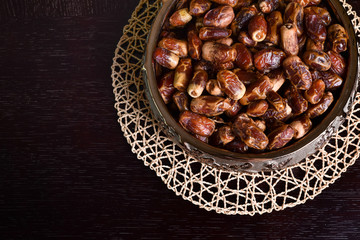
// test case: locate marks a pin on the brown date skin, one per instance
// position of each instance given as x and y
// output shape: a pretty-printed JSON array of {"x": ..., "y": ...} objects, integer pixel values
[
  {"x": 257, "y": 91},
  {"x": 166, "y": 58},
  {"x": 231, "y": 3},
  {"x": 197, "y": 124},
  {"x": 315, "y": 29},
  {"x": 237, "y": 146},
  {"x": 296, "y": 101},
  {"x": 317, "y": 60},
  {"x": 223, "y": 136},
  {"x": 166, "y": 87},
  {"x": 218, "y": 53},
  {"x": 245, "y": 39},
  {"x": 183, "y": 74},
  {"x": 316, "y": 20},
  {"x": 243, "y": 3},
  {"x": 277, "y": 79},
  {"x": 180, "y": 18},
  {"x": 289, "y": 39},
  {"x": 302, "y": 125},
  {"x": 257, "y": 28},
  {"x": 179, "y": 47},
  {"x": 224, "y": 66},
  {"x": 257, "y": 108},
  {"x": 320, "y": 108},
  {"x": 231, "y": 85},
  {"x": 203, "y": 65},
  {"x": 234, "y": 109},
  {"x": 332, "y": 80},
  {"x": 213, "y": 33},
  {"x": 242, "y": 18},
  {"x": 245, "y": 128},
  {"x": 294, "y": 13},
  {"x": 338, "y": 38},
  {"x": 302, "y": 42},
  {"x": 314, "y": 45},
  {"x": 213, "y": 88},
  {"x": 246, "y": 77},
  {"x": 199, "y": 7},
  {"x": 194, "y": 45},
  {"x": 244, "y": 58},
  {"x": 306, "y": 3},
  {"x": 323, "y": 15},
  {"x": 275, "y": 21},
  {"x": 338, "y": 64},
  {"x": 182, "y": 101},
  {"x": 267, "y": 6},
  {"x": 297, "y": 72},
  {"x": 280, "y": 137},
  {"x": 221, "y": 17},
  {"x": 226, "y": 41},
  {"x": 210, "y": 105},
  {"x": 273, "y": 115},
  {"x": 197, "y": 84},
  {"x": 315, "y": 93},
  {"x": 268, "y": 59},
  {"x": 276, "y": 101},
  {"x": 261, "y": 124}
]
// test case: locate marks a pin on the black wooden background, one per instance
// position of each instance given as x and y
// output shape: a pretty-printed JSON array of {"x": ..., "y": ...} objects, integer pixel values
[{"x": 66, "y": 171}]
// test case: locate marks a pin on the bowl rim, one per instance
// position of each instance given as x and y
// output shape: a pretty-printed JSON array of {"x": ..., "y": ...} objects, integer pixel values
[{"x": 334, "y": 117}]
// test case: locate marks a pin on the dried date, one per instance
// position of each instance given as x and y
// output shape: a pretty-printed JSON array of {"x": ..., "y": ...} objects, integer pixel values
[
  {"x": 166, "y": 87},
  {"x": 197, "y": 84},
  {"x": 297, "y": 72},
  {"x": 280, "y": 137},
  {"x": 219, "y": 17},
  {"x": 166, "y": 58},
  {"x": 320, "y": 108},
  {"x": 317, "y": 60},
  {"x": 231, "y": 85},
  {"x": 245, "y": 128},
  {"x": 268, "y": 59},
  {"x": 197, "y": 124},
  {"x": 199, "y": 7},
  {"x": 183, "y": 74},
  {"x": 210, "y": 105}
]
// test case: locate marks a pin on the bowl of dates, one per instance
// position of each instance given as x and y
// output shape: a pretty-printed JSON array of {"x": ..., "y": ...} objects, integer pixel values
[{"x": 248, "y": 85}]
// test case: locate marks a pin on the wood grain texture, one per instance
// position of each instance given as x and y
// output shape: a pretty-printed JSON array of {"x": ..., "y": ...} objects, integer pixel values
[{"x": 66, "y": 171}]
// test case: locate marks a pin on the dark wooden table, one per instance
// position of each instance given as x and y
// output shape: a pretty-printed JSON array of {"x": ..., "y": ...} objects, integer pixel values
[{"x": 67, "y": 172}]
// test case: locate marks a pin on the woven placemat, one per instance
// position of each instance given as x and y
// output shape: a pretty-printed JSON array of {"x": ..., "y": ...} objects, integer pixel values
[{"x": 205, "y": 186}]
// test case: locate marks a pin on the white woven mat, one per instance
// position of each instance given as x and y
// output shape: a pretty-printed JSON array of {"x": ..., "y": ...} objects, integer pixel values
[{"x": 207, "y": 187}]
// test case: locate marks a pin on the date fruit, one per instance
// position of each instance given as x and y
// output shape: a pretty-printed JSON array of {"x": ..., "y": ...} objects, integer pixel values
[
  {"x": 280, "y": 137},
  {"x": 197, "y": 84},
  {"x": 210, "y": 105},
  {"x": 219, "y": 17},
  {"x": 183, "y": 74},
  {"x": 231, "y": 85},
  {"x": 166, "y": 58},
  {"x": 317, "y": 60},
  {"x": 180, "y": 18},
  {"x": 297, "y": 72},
  {"x": 197, "y": 124}
]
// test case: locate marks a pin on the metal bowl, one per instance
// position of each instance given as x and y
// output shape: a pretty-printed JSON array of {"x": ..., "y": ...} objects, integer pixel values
[{"x": 274, "y": 160}]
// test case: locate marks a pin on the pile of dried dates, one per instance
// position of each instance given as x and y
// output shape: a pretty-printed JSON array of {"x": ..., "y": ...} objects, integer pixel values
[{"x": 250, "y": 76}]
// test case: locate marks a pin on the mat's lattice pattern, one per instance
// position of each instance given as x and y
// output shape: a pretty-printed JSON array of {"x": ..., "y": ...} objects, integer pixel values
[{"x": 207, "y": 187}]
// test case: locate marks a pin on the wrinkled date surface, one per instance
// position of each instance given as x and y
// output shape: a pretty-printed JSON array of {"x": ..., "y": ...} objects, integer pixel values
[{"x": 250, "y": 76}]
